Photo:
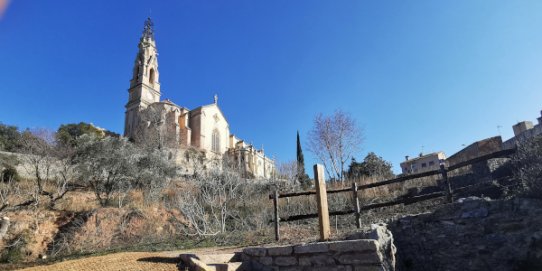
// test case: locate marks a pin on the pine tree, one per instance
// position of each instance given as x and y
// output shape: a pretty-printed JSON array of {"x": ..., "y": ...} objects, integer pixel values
[{"x": 301, "y": 177}]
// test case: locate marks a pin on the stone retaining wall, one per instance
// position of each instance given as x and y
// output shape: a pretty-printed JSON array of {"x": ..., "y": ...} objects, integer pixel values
[
  {"x": 472, "y": 234},
  {"x": 351, "y": 255}
]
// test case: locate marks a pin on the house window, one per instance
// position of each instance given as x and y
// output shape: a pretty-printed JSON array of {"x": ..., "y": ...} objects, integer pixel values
[
  {"x": 431, "y": 163},
  {"x": 424, "y": 165},
  {"x": 216, "y": 141}
]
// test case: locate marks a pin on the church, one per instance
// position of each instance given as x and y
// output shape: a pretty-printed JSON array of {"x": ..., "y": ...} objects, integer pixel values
[{"x": 204, "y": 128}]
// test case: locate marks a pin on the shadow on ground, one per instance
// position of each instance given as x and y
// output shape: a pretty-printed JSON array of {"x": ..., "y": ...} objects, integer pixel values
[{"x": 174, "y": 260}]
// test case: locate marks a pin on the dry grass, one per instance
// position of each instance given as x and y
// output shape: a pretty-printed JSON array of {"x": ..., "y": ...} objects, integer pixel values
[
  {"x": 79, "y": 226},
  {"x": 152, "y": 261}
]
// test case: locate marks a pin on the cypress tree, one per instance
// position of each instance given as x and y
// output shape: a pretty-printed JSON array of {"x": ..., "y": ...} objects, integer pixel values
[{"x": 302, "y": 177}]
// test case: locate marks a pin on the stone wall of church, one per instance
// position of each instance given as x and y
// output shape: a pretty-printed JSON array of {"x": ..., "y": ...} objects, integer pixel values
[
  {"x": 210, "y": 120},
  {"x": 185, "y": 131},
  {"x": 195, "y": 125}
]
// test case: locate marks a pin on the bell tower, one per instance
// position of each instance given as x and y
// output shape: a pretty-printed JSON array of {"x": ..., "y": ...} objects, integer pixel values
[{"x": 144, "y": 85}]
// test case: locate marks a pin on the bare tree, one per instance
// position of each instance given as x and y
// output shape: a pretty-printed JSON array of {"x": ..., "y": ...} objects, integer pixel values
[
  {"x": 334, "y": 139},
  {"x": 106, "y": 165},
  {"x": 288, "y": 171},
  {"x": 65, "y": 174},
  {"x": 37, "y": 145},
  {"x": 50, "y": 165}
]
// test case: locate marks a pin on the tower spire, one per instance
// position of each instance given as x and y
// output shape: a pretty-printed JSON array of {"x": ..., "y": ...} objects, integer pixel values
[
  {"x": 145, "y": 84},
  {"x": 148, "y": 29}
]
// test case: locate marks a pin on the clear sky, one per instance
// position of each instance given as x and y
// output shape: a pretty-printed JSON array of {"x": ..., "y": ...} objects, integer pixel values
[{"x": 437, "y": 74}]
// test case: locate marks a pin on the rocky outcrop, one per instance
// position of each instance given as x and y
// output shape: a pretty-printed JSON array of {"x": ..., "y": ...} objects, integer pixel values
[{"x": 384, "y": 239}]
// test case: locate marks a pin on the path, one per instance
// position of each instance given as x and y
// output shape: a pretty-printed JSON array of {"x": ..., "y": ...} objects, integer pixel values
[{"x": 155, "y": 261}]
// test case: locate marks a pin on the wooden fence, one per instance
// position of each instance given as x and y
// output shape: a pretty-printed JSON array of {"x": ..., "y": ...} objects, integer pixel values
[{"x": 357, "y": 208}]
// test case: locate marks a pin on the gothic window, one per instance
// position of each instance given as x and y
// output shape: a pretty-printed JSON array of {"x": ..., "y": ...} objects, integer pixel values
[
  {"x": 216, "y": 141},
  {"x": 137, "y": 73},
  {"x": 151, "y": 77}
]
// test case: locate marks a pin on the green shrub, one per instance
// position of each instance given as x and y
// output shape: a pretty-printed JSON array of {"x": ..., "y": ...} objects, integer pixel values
[
  {"x": 15, "y": 249},
  {"x": 9, "y": 174}
]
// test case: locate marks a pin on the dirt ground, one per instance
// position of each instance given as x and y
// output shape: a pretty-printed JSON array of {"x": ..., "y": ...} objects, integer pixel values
[{"x": 155, "y": 261}]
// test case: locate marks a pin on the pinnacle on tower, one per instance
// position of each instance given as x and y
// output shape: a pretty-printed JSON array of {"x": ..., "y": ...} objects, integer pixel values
[{"x": 148, "y": 29}]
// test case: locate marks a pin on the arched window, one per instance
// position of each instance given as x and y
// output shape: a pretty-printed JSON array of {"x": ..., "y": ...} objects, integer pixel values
[
  {"x": 216, "y": 141},
  {"x": 151, "y": 77},
  {"x": 137, "y": 73}
]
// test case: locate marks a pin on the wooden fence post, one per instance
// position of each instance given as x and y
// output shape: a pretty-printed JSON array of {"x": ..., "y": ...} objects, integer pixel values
[
  {"x": 447, "y": 185},
  {"x": 321, "y": 197},
  {"x": 277, "y": 218},
  {"x": 357, "y": 207}
]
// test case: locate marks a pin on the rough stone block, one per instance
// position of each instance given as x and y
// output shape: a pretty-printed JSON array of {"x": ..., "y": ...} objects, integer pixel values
[
  {"x": 245, "y": 257},
  {"x": 305, "y": 261},
  {"x": 316, "y": 260},
  {"x": 280, "y": 251},
  {"x": 285, "y": 261},
  {"x": 356, "y": 258},
  {"x": 368, "y": 268},
  {"x": 255, "y": 251},
  {"x": 311, "y": 248},
  {"x": 256, "y": 266},
  {"x": 354, "y": 245},
  {"x": 331, "y": 268},
  {"x": 481, "y": 212},
  {"x": 265, "y": 260}
]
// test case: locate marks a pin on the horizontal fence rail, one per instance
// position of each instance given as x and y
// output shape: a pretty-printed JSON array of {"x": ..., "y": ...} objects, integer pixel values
[{"x": 446, "y": 191}]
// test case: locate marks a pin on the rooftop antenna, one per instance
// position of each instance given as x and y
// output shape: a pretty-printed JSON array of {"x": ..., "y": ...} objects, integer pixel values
[{"x": 499, "y": 129}]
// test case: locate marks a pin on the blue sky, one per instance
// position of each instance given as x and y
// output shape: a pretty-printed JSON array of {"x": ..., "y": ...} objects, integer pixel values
[{"x": 437, "y": 74}]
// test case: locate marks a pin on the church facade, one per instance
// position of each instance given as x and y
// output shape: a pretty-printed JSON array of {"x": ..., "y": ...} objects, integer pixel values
[{"x": 148, "y": 118}]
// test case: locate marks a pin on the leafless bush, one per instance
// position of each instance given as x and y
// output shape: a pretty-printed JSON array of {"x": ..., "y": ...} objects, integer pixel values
[
  {"x": 210, "y": 203},
  {"x": 288, "y": 172},
  {"x": 222, "y": 201},
  {"x": 63, "y": 243}
]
